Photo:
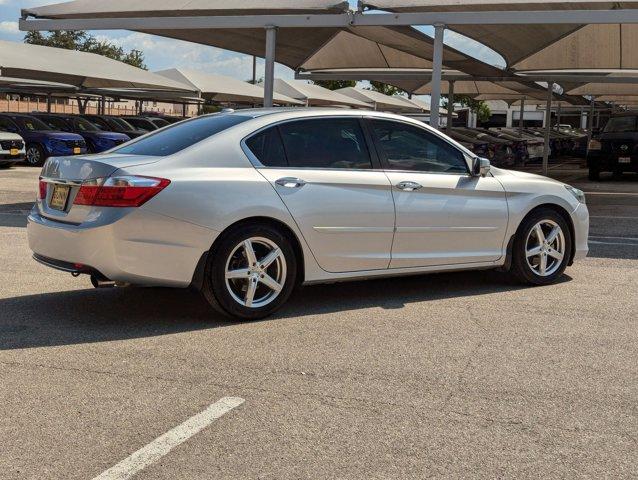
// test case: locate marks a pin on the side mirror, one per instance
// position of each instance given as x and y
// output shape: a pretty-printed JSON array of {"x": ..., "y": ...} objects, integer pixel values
[{"x": 481, "y": 167}]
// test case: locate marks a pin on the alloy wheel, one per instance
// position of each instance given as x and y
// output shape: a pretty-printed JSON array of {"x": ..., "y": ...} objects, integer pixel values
[
  {"x": 545, "y": 248},
  {"x": 255, "y": 272},
  {"x": 33, "y": 156}
]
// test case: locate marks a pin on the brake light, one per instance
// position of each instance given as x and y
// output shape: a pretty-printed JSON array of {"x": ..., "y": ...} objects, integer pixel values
[
  {"x": 43, "y": 190},
  {"x": 595, "y": 145},
  {"x": 122, "y": 191}
]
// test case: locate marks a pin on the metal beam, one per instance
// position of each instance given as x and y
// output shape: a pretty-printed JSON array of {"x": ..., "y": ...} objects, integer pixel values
[
  {"x": 437, "y": 68},
  {"x": 548, "y": 127},
  {"x": 521, "y": 121},
  {"x": 568, "y": 17},
  {"x": 450, "y": 106},
  {"x": 269, "y": 75}
]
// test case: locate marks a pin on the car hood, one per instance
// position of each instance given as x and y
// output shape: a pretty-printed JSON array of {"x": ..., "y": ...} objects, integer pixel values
[
  {"x": 7, "y": 136},
  {"x": 503, "y": 174},
  {"x": 107, "y": 135}
]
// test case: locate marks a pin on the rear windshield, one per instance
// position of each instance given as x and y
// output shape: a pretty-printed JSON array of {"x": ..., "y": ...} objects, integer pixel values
[
  {"x": 177, "y": 137},
  {"x": 622, "y": 124}
]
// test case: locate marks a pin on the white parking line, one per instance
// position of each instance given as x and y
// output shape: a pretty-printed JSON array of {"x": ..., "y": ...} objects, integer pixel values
[
  {"x": 159, "y": 447},
  {"x": 624, "y": 194},
  {"x": 614, "y": 217},
  {"x": 594, "y": 242},
  {"x": 601, "y": 237}
]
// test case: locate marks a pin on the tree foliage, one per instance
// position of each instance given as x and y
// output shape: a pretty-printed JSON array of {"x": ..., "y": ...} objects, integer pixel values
[
  {"x": 335, "y": 84},
  {"x": 385, "y": 88},
  {"x": 478, "y": 107},
  {"x": 84, "y": 42}
]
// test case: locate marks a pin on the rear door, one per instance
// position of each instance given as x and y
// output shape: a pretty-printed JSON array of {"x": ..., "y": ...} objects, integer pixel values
[
  {"x": 444, "y": 216},
  {"x": 323, "y": 171}
]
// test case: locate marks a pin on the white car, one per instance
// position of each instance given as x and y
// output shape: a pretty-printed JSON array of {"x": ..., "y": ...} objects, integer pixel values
[
  {"x": 246, "y": 205},
  {"x": 11, "y": 149}
]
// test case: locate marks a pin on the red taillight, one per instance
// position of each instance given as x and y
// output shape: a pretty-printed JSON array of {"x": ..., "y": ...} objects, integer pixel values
[
  {"x": 124, "y": 191},
  {"x": 43, "y": 190}
]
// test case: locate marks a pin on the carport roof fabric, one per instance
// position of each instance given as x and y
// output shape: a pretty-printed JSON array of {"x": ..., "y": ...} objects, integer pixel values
[
  {"x": 224, "y": 89},
  {"x": 600, "y": 89},
  {"x": 378, "y": 100},
  {"x": 475, "y": 88},
  {"x": 517, "y": 43},
  {"x": 314, "y": 95},
  {"x": 79, "y": 69},
  {"x": 297, "y": 48}
]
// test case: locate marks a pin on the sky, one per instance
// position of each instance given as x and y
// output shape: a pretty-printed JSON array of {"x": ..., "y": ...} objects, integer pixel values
[{"x": 162, "y": 53}]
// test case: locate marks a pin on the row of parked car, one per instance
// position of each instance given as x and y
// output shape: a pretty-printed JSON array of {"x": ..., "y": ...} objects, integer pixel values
[
  {"x": 35, "y": 137},
  {"x": 509, "y": 147}
]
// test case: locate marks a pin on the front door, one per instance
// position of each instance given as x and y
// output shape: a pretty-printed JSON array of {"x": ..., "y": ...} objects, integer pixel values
[
  {"x": 323, "y": 172},
  {"x": 444, "y": 216}
]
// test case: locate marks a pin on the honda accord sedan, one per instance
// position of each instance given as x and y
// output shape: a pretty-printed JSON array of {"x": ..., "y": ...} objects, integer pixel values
[{"x": 247, "y": 205}]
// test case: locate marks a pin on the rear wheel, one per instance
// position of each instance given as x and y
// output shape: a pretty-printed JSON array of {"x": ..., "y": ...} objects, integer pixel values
[
  {"x": 35, "y": 156},
  {"x": 542, "y": 248},
  {"x": 251, "y": 273}
]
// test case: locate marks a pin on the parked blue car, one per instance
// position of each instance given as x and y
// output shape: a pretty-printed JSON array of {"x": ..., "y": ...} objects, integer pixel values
[
  {"x": 41, "y": 140},
  {"x": 97, "y": 140}
]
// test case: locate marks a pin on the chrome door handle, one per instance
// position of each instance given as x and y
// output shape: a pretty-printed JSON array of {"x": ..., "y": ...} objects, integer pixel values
[
  {"x": 290, "y": 182},
  {"x": 409, "y": 186}
]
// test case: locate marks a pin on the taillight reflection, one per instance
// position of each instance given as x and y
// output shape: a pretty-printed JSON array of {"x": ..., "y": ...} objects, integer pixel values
[{"x": 121, "y": 191}]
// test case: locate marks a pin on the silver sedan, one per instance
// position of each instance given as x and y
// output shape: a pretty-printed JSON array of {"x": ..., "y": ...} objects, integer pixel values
[{"x": 246, "y": 205}]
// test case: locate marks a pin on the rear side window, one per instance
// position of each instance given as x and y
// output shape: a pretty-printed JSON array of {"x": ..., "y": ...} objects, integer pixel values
[
  {"x": 177, "y": 137},
  {"x": 622, "y": 124},
  {"x": 406, "y": 147},
  {"x": 325, "y": 143},
  {"x": 266, "y": 146}
]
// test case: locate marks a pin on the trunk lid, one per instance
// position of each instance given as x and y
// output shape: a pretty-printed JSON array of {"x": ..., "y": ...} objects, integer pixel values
[{"x": 64, "y": 176}]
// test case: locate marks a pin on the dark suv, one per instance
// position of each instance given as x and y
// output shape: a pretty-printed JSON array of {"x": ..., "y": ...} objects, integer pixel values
[
  {"x": 42, "y": 141},
  {"x": 616, "y": 148},
  {"x": 109, "y": 123},
  {"x": 97, "y": 140}
]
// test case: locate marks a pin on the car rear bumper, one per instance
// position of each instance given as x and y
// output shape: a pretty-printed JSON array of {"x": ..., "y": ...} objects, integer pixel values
[
  {"x": 580, "y": 219},
  {"x": 612, "y": 163},
  {"x": 141, "y": 248}
]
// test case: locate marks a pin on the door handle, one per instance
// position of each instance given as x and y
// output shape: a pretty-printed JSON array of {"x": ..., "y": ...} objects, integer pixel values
[
  {"x": 290, "y": 182},
  {"x": 409, "y": 186}
]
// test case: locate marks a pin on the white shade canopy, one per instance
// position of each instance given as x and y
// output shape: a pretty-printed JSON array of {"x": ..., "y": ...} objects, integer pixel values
[
  {"x": 378, "y": 101},
  {"x": 79, "y": 69},
  {"x": 517, "y": 43},
  {"x": 315, "y": 95},
  {"x": 220, "y": 88},
  {"x": 501, "y": 89},
  {"x": 424, "y": 106},
  {"x": 600, "y": 89}
]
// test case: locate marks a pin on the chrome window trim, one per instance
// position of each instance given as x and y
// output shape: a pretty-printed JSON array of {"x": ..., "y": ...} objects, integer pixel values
[{"x": 58, "y": 181}]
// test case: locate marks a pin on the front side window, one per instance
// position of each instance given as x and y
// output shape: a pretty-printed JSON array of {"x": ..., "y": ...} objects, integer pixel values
[
  {"x": 266, "y": 146},
  {"x": 407, "y": 147},
  {"x": 325, "y": 143},
  {"x": 182, "y": 135}
]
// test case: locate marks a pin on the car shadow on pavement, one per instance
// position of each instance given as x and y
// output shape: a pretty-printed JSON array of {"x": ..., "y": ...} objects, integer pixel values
[
  {"x": 14, "y": 214},
  {"x": 90, "y": 316}
]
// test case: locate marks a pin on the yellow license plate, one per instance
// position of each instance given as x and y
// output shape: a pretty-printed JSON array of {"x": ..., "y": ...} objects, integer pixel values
[
  {"x": 15, "y": 151},
  {"x": 77, "y": 150},
  {"x": 59, "y": 197}
]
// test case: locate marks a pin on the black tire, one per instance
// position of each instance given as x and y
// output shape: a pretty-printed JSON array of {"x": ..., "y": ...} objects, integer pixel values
[
  {"x": 6, "y": 166},
  {"x": 594, "y": 174},
  {"x": 35, "y": 156},
  {"x": 215, "y": 288},
  {"x": 521, "y": 268}
]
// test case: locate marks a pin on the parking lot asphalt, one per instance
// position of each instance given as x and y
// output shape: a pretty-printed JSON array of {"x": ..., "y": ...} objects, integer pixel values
[{"x": 454, "y": 375}]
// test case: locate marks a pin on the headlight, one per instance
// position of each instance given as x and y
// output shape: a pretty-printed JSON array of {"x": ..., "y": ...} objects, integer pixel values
[
  {"x": 595, "y": 145},
  {"x": 578, "y": 194}
]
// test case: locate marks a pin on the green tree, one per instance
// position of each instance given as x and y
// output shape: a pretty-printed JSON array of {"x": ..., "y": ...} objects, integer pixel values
[
  {"x": 478, "y": 107},
  {"x": 84, "y": 42},
  {"x": 385, "y": 88},
  {"x": 335, "y": 84}
]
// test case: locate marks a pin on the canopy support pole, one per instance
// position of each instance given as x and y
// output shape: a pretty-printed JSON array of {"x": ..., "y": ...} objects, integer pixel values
[
  {"x": 558, "y": 115},
  {"x": 269, "y": 76},
  {"x": 254, "y": 70},
  {"x": 521, "y": 120},
  {"x": 548, "y": 126},
  {"x": 49, "y": 103},
  {"x": 437, "y": 69},
  {"x": 590, "y": 121},
  {"x": 450, "y": 106}
]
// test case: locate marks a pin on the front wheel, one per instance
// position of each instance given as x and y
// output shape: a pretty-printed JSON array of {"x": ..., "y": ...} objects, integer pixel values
[
  {"x": 35, "y": 156},
  {"x": 251, "y": 273},
  {"x": 542, "y": 248}
]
